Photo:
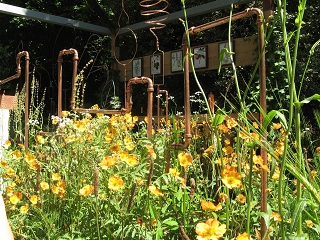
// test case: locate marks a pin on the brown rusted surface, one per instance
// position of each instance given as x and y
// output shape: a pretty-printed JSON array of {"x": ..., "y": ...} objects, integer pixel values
[
  {"x": 17, "y": 75},
  {"x": 150, "y": 89}
]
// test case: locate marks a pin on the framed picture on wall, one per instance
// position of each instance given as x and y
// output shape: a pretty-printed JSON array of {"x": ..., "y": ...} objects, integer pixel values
[
  {"x": 176, "y": 61},
  {"x": 156, "y": 64},
  {"x": 137, "y": 65},
  {"x": 226, "y": 60},
  {"x": 200, "y": 59}
]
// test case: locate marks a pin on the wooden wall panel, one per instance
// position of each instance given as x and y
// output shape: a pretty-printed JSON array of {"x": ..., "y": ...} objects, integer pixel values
[{"x": 246, "y": 50}]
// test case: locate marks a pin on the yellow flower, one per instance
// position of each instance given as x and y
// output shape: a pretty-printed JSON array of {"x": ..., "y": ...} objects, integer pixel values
[
  {"x": 55, "y": 120},
  {"x": 40, "y": 139},
  {"x": 44, "y": 185},
  {"x": 59, "y": 189},
  {"x": 129, "y": 145},
  {"x": 276, "y": 173},
  {"x": 223, "y": 197},
  {"x": 86, "y": 190},
  {"x": 309, "y": 223},
  {"x": 24, "y": 209},
  {"x": 230, "y": 177},
  {"x": 276, "y": 216},
  {"x": 276, "y": 126},
  {"x": 56, "y": 176},
  {"x": 209, "y": 150},
  {"x": 209, "y": 206},
  {"x": 313, "y": 174},
  {"x": 255, "y": 125},
  {"x": 279, "y": 148},
  {"x": 31, "y": 161},
  {"x": 15, "y": 198},
  {"x": 95, "y": 107},
  {"x": 65, "y": 114},
  {"x": 131, "y": 160},
  {"x": 10, "y": 172},
  {"x": 231, "y": 123},
  {"x": 115, "y": 183},
  {"x": 79, "y": 125},
  {"x": 34, "y": 199},
  {"x": 228, "y": 150},
  {"x": 7, "y": 144},
  {"x": 243, "y": 236},
  {"x": 223, "y": 128},
  {"x": 174, "y": 172},
  {"x": 152, "y": 154},
  {"x": 115, "y": 148},
  {"x": 108, "y": 162},
  {"x": 140, "y": 181},
  {"x": 155, "y": 191},
  {"x": 185, "y": 159},
  {"x": 16, "y": 154},
  {"x": 210, "y": 230},
  {"x": 3, "y": 163},
  {"x": 241, "y": 198}
]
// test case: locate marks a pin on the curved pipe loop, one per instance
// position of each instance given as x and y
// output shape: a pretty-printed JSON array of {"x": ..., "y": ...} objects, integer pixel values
[
  {"x": 129, "y": 103},
  {"x": 17, "y": 75},
  {"x": 193, "y": 30},
  {"x": 157, "y": 23},
  {"x": 74, "y": 76}
]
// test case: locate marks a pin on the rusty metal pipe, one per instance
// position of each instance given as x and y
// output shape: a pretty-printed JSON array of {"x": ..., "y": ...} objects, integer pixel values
[
  {"x": 17, "y": 75},
  {"x": 187, "y": 130},
  {"x": 74, "y": 76},
  {"x": 262, "y": 71},
  {"x": 150, "y": 90}
]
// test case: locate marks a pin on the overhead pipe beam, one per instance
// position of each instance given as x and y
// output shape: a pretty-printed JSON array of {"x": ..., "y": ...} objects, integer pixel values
[
  {"x": 191, "y": 12},
  {"x": 45, "y": 17}
]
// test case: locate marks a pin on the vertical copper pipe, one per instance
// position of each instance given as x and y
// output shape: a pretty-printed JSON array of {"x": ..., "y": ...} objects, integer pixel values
[
  {"x": 262, "y": 70},
  {"x": 74, "y": 75},
  {"x": 150, "y": 90},
  {"x": 187, "y": 130},
  {"x": 17, "y": 75}
]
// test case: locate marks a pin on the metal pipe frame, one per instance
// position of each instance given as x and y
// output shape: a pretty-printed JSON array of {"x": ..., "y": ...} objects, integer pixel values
[
  {"x": 129, "y": 103},
  {"x": 17, "y": 75},
  {"x": 74, "y": 76},
  {"x": 263, "y": 103}
]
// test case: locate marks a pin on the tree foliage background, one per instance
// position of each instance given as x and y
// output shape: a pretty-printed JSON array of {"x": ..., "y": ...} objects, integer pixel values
[{"x": 44, "y": 41}]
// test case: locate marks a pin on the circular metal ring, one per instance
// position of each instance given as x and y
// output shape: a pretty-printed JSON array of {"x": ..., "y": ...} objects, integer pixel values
[{"x": 135, "y": 36}]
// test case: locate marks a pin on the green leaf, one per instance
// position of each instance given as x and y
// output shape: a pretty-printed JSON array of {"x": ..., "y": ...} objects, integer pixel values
[
  {"x": 297, "y": 237},
  {"x": 297, "y": 212},
  {"x": 307, "y": 100},
  {"x": 218, "y": 119},
  {"x": 172, "y": 223},
  {"x": 273, "y": 113},
  {"x": 314, "y": 46}
]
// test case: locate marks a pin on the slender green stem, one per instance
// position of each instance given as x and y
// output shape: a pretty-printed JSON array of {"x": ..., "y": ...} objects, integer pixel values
[
  {"x": 233, "y": 64},
  {"x": 227, "y": 208},
  {"x": 249, "y": 193}
]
